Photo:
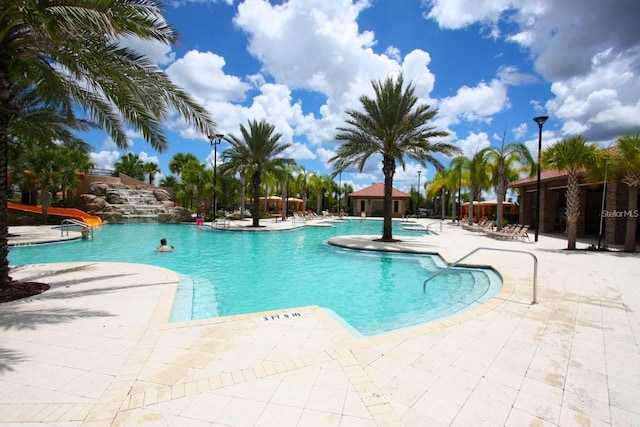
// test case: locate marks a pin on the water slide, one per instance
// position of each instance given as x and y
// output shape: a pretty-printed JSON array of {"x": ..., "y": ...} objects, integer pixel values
[{"x": 89, "y": 219}]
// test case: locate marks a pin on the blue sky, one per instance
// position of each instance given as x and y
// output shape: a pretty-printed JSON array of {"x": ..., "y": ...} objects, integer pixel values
[{"x": 488, "y": 66}]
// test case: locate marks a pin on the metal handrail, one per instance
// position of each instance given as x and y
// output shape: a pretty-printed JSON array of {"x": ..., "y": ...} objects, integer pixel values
[
  {"x": 70, "y": 221},
  {"x": 432, "y": 223},
  {"x": 453, "y": 264}
]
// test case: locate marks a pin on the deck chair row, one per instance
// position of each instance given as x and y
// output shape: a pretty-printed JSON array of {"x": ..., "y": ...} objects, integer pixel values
[{"x": 510, "y": 232}]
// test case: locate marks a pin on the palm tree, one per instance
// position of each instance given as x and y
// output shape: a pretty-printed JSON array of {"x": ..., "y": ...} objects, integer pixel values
[
  {"x": 235, "y": 168},
  {"x": 317, "y": 185},
  {"x": 75, "y": 159},
  {"x": 624, "y": 162},
  {"x": 130, "y": 164},
  {"x": 256, "y": 152},
  {"x": 506, "y": 163},
  {"x": 394, "y": 127},
  {"x": 45, "y": 167},
  {"x": 197, "y": 182},
  {"x": 301, "y": 185},
  {"x": 572, "y": 155},
  {"x": 151, "y": 169},
  {"x": 71, "y": 58},
  {"x": 443, "y": 182},
  {"x": 178, "y": 161},
  {"x": 478, "y": 177}
]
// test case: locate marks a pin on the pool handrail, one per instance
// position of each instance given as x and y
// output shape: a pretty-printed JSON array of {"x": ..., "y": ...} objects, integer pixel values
[
  {"x": 437, "y": 222},
  {"x": 453, "y": 264},
  {"x": 68, "y": 222}
]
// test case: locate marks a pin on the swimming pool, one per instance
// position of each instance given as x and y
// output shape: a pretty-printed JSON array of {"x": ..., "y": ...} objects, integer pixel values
[{"x": 226, "y": 272}]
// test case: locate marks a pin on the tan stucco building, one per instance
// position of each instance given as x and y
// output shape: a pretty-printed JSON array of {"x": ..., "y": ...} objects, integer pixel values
[{"x": 369, "y": 201}]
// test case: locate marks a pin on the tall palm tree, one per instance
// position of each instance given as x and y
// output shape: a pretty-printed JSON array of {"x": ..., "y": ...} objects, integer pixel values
[
  {"x": 178, "y": 161},
  {"x": 256, "y": 151},
  {"x": 235, "y": 168},
  {"x": 572, "y": 155},
  {"x": 301, "y": 185},
  {"x": 71, "y": 58},
  {"x": 130, "y": 164},
  {"x": 151, "y": 169},
  {"x": 393, "y": 126},
  {"x": 624, "y": 162},
  {"x": 477, "y": 173},
  {"x": 42, "y": 168},
  {"x": 506, "y": 163},
  {"x": 197, "y": 182},
  {"x": 75, "y": 159},
  {"x": 318, "y": 184},
  {"x": 443, "y": 182}
]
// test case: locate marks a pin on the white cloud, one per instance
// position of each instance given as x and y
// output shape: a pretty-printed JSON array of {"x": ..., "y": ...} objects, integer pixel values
[
  {"x": 588, "y": 49},
  {"x": 299, "y": 151},
  {"x": 520, "y": 131},
  {"x": 477, "y": 103},
  {"x": 158, "y": 52},
  {"x": 146, "y": 158},
  {"x": 473, "y": 143},
  {"x": 105, "y": 159},
  {"x": 202, "y": 73}
]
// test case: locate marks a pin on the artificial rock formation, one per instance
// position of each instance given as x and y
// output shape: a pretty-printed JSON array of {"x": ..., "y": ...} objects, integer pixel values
[{"x": 119, "y": 203}]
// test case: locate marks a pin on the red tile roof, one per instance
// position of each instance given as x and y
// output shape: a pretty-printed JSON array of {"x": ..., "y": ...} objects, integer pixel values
[
  {"x": 545, "y": 175},
  {"x": 377, "y": 191},
  {"x": 550, "y": 174}
]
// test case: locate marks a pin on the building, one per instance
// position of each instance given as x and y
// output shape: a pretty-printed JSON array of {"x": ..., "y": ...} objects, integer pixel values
[
  {"x": 553, "y": 185},
  {"x": 487, "y": 209},
  {"x": 369, "y": 201}
]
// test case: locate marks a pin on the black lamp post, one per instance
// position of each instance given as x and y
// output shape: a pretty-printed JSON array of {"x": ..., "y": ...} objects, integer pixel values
[
  {"x": 215, "y": 140},
  {"x": 339, "y": 194},
  {"x": 540, "y": 121},
  {"x": 419, "y": 172}
]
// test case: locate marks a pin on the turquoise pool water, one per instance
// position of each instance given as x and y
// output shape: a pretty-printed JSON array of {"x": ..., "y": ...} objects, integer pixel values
[{"x": 228, "y": 272}]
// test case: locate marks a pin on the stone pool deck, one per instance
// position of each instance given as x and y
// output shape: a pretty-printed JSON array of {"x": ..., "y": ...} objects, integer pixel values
[{"x": 97, "y": 350}]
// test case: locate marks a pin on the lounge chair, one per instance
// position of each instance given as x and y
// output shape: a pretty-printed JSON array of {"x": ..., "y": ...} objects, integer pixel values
[
  {"x": 522, "y": 233},
  {"x": 507, "y": 233}
]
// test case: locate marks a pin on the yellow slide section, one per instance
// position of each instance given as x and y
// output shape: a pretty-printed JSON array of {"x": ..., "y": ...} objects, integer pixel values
[{"x": 92, "y": 220}]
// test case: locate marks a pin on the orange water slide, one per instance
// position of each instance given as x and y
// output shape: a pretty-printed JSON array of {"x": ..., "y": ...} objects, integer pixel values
[{"x": 89, "y": 219}]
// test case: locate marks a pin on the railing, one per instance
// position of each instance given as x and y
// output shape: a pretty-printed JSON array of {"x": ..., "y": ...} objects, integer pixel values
[
  {"x": 453, "y": 264},
  {"x": 102, "y": 172},
  {"x": 432, "y": 223},
  {"x": 86, "y": 230},
  {"x": 224, "y": 221}
]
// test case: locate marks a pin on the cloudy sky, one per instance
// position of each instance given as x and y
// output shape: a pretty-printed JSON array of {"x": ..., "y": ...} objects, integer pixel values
[{"x": 488, "y": 66}]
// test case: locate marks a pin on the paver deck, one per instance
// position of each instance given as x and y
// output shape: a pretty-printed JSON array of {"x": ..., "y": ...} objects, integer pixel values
[{"x": 97, "y": 350}]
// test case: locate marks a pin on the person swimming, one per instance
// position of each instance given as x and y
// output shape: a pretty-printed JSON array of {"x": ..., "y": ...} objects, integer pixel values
[{"x": 163, "y": 246}]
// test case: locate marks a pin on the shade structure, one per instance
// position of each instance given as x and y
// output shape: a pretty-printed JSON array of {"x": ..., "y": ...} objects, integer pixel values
[{"x": 486, "y": 209}]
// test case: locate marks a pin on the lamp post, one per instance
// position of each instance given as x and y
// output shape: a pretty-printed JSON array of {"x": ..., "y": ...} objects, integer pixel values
[
  {"x": 540, "y": 121},
  {"x": 339, "y": 193},
  {"x": 459, "y": 193},
  {"x": 215, "y": 140},
  {"x": 419, "y": 172}
]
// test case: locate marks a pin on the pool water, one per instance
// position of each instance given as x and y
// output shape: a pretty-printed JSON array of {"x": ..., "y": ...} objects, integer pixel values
[{"x": 230, "y": 272}]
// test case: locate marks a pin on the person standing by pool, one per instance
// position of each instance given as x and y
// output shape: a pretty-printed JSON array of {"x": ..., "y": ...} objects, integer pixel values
[{"x": 163, "y": 246}]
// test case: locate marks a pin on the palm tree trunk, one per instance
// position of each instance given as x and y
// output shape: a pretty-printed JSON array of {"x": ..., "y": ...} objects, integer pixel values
[
  {"x": 5, "y": 279},
  {"x": 388, "y": 169},
  {"x": 242, "y": 195},
  {"x": 45, "y": 205},
  {"x": 630, "y": 234},
  {"x": 573, "y": 209},
  {"x": 6, "y": 111},
  {"x": 501, "y": 192},
  {"x": 255, "y": 211}
]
